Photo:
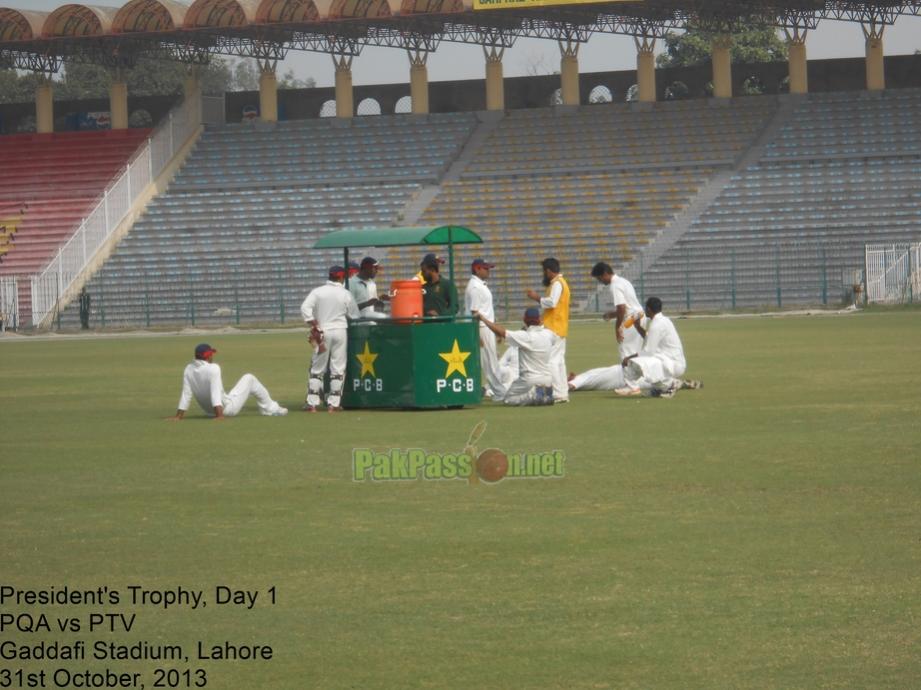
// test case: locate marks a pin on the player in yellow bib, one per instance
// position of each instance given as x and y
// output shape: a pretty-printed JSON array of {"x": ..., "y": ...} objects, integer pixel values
[{"x": 555, "y": 303}]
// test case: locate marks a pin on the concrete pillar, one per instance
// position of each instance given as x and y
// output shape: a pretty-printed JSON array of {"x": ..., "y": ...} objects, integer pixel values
[
  {"x": 495, "y": 87},
  {"x": 799, "y": 80},
  {"x": 646, "y": 73},
  {"x": 419, "y": 85},
  {"x": 118, "y": 104},
  {"x": 268, "y": 95},
  {"x": 722, "y": 67},
  {"x": 569, "y": 77},
  {"x": 44, "y": 108},
  {"x": 876, "y": 73},
  {"x": 191, "y": 89},
  {"x": 345, "y": 99}
]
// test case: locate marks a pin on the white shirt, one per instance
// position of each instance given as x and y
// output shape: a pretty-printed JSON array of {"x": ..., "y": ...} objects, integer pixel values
[
  {"x": 363, "y": 289},
  {"x": 662, "y": 341},
  {"x": 331, "y": 306},
  {"x": 477, "y": 297},
  {"x": 534, "y": 344},
  {"x": 622, "y": 292},
  {"x": 551, "y": 300},
  {"x": 203, "y": 380}
]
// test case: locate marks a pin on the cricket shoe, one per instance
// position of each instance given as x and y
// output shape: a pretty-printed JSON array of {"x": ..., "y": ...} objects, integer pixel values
[
  {"x": 333, "y": 409},
  {"x": 279, "y": 411},
  {"x": 691, "y": 385},
  {"x": 309, "y": 408}
]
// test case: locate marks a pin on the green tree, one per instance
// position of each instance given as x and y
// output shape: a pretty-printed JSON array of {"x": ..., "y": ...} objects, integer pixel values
[
  {"x": 148, "y": 77},
  {"x": 754, "y": 43},
  {"x": 17, "y": 87},
  {"x": 245, "y": 76},
  {"x": 289, "y": 81}
]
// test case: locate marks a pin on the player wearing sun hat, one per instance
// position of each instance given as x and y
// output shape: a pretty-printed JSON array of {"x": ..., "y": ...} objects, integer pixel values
[
  {"x": 202, "y": 379},
  {"x": 478, "y": 298},
  {"x": 326, "y": 311}
]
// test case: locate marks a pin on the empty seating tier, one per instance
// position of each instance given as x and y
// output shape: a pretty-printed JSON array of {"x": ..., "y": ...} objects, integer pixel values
[
  {"x": 54, "y": 180},
  {"x": 843, "y": 171},
  {"x": 232, "y": 236}
]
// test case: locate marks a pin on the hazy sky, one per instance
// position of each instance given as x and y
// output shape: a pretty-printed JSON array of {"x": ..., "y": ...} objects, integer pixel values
[{"x": 529, "y": 56}]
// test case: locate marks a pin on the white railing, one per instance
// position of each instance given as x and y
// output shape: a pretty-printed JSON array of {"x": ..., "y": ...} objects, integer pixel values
[
  {"x": 9, "y": 303},
  {"x": 54, "y": 281},
  {"x": 893, "y": 272}
]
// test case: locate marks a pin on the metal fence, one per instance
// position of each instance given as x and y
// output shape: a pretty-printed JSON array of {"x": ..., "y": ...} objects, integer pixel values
[
  {"x": 893, "y": 272},
  {"x": 9, "y": 303},
  {"x": 53, "y": 282},
  {"x": 767, "y": 275}
]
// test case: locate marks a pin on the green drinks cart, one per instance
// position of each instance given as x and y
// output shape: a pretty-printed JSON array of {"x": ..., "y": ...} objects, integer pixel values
[{"x": 430, "y": 362}]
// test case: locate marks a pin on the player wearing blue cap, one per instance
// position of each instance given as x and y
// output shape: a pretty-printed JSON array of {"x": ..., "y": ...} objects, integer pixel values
[
  {"x": 202, "y": 379},
  {"x": 534, "y": 385},
  {"x": 326, "y": 311}
]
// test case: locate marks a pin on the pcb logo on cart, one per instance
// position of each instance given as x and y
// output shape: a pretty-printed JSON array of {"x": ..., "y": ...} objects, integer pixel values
[
  {"x": 455, "y": 378},
  {"x": 367, "y": 378}
]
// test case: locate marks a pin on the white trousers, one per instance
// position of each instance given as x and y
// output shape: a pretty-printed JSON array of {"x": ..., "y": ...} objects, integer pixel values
[
  {"x": 526, "y": 392},
  {"x": 601, "y": 379},
  {"x": 489, "y": 362},
  {"x": 558, "y": 369},
  {"x": 647, "y": 373},
  {"x": 633, "y": 343},
  {"x": 248, "y": 385},
  {"x": 334, "y": 359},
  {"x": 508, "y": 367}
]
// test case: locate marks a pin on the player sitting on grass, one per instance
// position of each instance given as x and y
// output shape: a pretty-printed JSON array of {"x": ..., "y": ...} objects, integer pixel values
[
  {"x": 534, "y": 385},
  {"x": 656, "y": 368},
  {"x": 202, "y": 378}
]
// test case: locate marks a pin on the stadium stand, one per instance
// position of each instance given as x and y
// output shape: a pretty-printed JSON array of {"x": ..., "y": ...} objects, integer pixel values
[
  {"x": 232, "y": 235},
  {"x": 231, "y": 238},
  {"x": 790, "y": 229},
  {"x": 54, "y": 179},
  {"x": 595, "y": 183}
]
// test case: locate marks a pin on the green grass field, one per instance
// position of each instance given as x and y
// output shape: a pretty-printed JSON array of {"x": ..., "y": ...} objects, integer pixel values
[{"x": 764, "y": 532}]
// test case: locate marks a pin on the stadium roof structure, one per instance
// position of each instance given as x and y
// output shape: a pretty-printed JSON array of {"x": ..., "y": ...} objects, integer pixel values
[{"x": 268, "y": 29}]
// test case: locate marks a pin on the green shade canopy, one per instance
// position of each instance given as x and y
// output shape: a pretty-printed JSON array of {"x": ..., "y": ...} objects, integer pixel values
[{"x": 397, "y": 237}]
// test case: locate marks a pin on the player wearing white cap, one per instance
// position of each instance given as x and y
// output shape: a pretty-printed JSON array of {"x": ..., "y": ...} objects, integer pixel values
[
  {"x": 202, "y": 380},
  {"x": 326, "y": 311},
  {"x": 364, "y": 290},
  {"x": 478, "y": 298},
  {"x": 534, "y": 344}
]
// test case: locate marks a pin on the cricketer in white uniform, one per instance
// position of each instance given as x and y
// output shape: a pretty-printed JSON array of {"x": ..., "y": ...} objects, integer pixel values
[
  {"x": 534, "y": 345},
  {"x": 627, "y": 309},
  {"x": 657, "y": 367},
  {"x": 508, "y": 366},
  {"x": 364, "y": 289},
  {"x": 202, "y": 379},
  {"x": 326, "y": 311},
  {"x": 478, "y": 298}
]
